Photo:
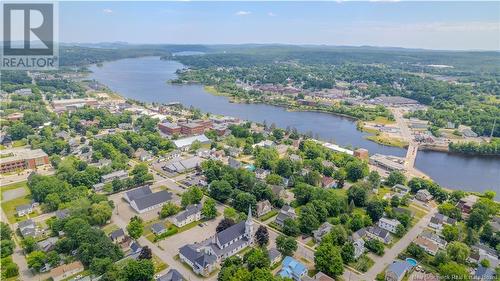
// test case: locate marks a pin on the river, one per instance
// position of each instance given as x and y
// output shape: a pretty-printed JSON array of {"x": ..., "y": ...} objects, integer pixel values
[{"x": 145, "y": 79}]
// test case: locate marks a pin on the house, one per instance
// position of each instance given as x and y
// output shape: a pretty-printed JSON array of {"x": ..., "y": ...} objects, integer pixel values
[
  {"x": 119, "y": 175},
  {"x": 202, "y": 257},
  {"x": 388, "y": 224},
  {"x": 263, "y": 207},
  {"x": 291, "y": 268},
  {"x": 233, "y": 163},
  {"x": 23, "y": 210},
  {"x": 142, "y": 155},
  {"x": 278, "y": 191},
  {"x": 27, "y": 228},
  {"x": 397, "y": 270},
  {"x": 203, "y": 152},
  {"x": 274, "y": 255},
  {"x": 66, "y": 270},
  {"x": 440, "y": 242},
  {"x": 382, "y": 235},
  {"x": 265, "y": 143},
  {"x": 158, "y": 228},
  {"x": 328, "y": 182},
  {"x": 423, "y": 195},
  {"x": 117, "y": 236},
  {"x": 439, "y": 220},
  {"x": 323, "y": 230},
  {"x": 427, "y": 245},
  {"x": 286, "y": 212},
  {"x": 401, "y": 190},
  {"x": 358, "y": 242},
  {"x": 62, "y": 214},
  {"x": 185, "y": 143},
  {"x": 48, "y": 244},
  {"x": 191, "y": 214},
  {"x": 261, "y": 173},
  {"x": 173, "y": 155},
  {"x": 320, "y": 276},
  {"x": 183, "y": 165},
  {"x": 171, "y": 275},
  {"x": 465, "y": 204},
  {"x": 142, "y": 199},
  {"x": 484, "y": 274},
  {"x": 135, "y": 248},
  {"x": 295, "y": 158},
  {"x": 63, "y": 135},
  {"x": 481, "y": 252}
]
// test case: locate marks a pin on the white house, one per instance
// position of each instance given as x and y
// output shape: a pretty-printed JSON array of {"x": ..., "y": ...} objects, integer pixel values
[
  {"x": 388, "y": 224},
  {"x": 191, "y": 214}
]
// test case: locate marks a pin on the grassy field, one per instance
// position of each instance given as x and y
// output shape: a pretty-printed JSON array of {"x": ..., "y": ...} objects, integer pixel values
[
  {"x": 9, "y": 207},
  {"x": 110, "y": 228},
  {"x": 387, "y": 141},
  {"x": 363, "y": 263},
  {"x": 159, "y": 264},
  {"x": 383, "y": 120},
  {"x": 269, "y": 215}
]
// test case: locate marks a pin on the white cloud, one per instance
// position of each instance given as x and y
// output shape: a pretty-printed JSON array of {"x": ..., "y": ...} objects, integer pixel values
[
  {"x": 271, "y": 14},
  {"x": 243, "y": 13},
  {"x": 107, "y": 11}
]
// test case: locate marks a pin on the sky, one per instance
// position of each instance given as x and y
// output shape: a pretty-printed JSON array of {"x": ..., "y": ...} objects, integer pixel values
[{"x": 429, "y": 25}]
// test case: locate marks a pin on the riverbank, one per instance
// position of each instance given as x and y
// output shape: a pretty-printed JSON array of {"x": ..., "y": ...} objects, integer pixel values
[{"x": 143, "y": 79}]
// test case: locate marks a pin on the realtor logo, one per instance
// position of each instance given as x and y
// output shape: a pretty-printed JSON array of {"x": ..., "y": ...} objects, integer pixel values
[{"x": 29, "y": 36}]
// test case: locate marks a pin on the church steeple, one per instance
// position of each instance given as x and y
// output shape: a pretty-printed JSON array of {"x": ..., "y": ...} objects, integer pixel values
[{"x": 249, "y": 225}]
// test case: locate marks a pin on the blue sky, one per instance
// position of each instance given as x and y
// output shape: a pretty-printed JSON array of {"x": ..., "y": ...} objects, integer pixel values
[{"x": 430, "y": 25}]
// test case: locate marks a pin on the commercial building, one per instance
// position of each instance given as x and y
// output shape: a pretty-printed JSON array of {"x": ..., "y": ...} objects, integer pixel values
[
  {"x": 185, "y": 143},
  {"x": 16, "y": 159},
  {"x": 142, "y": 199},
  {"x": 72, "y": 104},
  {"x": 387, "y": 162}
]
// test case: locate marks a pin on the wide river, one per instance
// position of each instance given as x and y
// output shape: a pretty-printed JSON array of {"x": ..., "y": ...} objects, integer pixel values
[{"x": 145, "y": 79}]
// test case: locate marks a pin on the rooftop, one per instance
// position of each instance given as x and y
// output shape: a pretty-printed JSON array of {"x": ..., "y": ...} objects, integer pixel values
[{"x": 16, "y": 154}]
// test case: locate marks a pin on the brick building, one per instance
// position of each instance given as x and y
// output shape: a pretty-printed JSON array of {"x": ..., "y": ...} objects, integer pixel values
[{"x": 21, "y": 158}]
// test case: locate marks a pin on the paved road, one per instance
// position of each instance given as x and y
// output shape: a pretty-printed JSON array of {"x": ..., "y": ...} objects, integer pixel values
[{"x": 391, "y": 254}]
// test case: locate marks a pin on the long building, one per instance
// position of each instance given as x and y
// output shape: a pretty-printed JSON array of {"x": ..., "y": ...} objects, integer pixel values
[{"x": 16, "y": 159}]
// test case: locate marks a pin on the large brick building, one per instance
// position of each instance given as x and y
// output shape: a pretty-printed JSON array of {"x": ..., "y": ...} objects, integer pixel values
[
  {"x": 196, "y": 127},
  {"x": 21, "y": 158}
]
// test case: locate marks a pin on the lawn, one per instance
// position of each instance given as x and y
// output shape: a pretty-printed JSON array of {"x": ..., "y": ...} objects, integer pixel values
[
  {"x": 269, "y": 215},
  {"x": 9, "y": 207},
  {"x": 18, "y": 143},
  {"x": 363, "y": 263},
  {"x": 383, "y": 120},
  {"x": 159, "y": 264},
  {"x": 171, "y": 230},
  {"x": 110, "y": 228}
]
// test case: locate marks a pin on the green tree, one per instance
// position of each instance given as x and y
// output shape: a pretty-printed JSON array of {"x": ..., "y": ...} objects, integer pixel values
[
  {"x": 100, "y": 265},
  {"x": 347, "y": 252},
  {"x": 169, "y": 209},
  {"x": 328, "y": 260},
  {"x": 5, "y": 231},
  {"x": 274, "y": 179},
  {"x": 291, "y": 227},
  {"x": 458, "y": 251},
  {"x": 191, "y": 196},
  {"x": 286, "y": 245},
  {"x": 135, "y": 227},
  {"x": 262, "y": 236},
  {"x": 450, "y": 232},
  {"x": 6, "y": 247},
  {"x": 138, "y": 270},
  {"x": 29, "y": 244},
  {"x": 356, "y": 170},
  {"x": 453, "y": 270},
  {"x": 257, "y": 258},
  {"x": 100, "y": 213},
  {"x": 141, "y": 174},
  {"x": 374, "y": 179},
  {"x": 395, "y": 177},
  {"x": 36, "y": 260},
  {"x": 358, "y": 194},
  {"x": 209, "y": 210},
  {"x": 375, "y": 209},
  {"x": 220, "y": 190},
  {"x": 19, "y": 131}
]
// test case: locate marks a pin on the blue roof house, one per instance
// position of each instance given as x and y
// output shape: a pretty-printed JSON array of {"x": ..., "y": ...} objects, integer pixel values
[
  {"x": 397, "y": 270},
  {"x": 291, "y": 268}
]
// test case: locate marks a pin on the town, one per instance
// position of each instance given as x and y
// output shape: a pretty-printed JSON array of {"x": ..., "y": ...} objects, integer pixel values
[{"x": 98, "y": 187}]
